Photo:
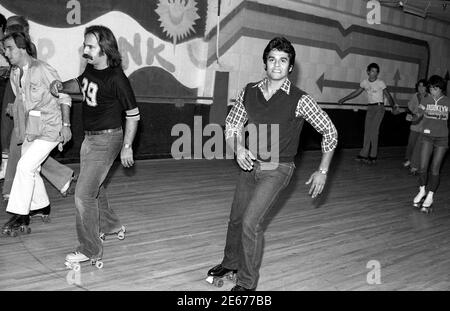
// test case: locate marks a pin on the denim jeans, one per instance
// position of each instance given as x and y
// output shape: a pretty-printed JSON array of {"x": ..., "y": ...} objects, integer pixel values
[
  {"x": 256, "y": 192},
  {"x": 93, "y": 214},
  {"x": 374, "y": 116}
]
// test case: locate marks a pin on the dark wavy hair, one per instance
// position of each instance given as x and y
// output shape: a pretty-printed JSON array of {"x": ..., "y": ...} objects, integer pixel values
[
  {"x": 424, "y": 82},
  {"x": 437, "y": 81},
  {"x": 2, "y": 22},
  {"x": 373, "y": 65},
  {"x": 22, "y": 41},
  {"x": 280, "y": 44},
  {"x": 107, "y": 42},
  {"x": 18, "y": 20}
]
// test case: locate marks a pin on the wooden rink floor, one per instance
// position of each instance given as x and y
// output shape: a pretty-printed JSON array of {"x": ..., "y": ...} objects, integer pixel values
[{"x": 176, "y": 215}]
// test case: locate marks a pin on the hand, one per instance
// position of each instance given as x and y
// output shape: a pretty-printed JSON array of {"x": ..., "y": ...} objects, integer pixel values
[
  {"x": 66, "y": 134},
  {"x": 126, "y": 157},
  {"x": 9, "y": 110},
  {"x": 245, "y": 159},
  {"x": 55, "y": 87},
  {"x": 318, "y": 182}
]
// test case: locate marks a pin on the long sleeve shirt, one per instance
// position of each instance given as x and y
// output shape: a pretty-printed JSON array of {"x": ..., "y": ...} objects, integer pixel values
[{"x": 37, "y": 114}]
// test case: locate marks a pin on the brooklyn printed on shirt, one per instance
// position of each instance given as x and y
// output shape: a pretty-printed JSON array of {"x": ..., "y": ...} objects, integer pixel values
[{"x": 435, "y": 116}]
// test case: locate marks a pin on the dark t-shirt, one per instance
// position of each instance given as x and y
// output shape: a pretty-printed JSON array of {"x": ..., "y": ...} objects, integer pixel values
[{"x": 106, "y": 94}]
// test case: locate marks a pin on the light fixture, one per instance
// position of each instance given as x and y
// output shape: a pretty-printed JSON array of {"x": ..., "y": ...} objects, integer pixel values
[{"x": 410, "y": 9}]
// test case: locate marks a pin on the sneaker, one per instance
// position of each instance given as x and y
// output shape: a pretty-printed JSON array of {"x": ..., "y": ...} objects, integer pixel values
[{"x": 76, "y": 257}]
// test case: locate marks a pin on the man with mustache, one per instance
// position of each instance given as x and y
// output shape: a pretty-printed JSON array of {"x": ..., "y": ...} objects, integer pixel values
[{"x": 106, "y": 94}]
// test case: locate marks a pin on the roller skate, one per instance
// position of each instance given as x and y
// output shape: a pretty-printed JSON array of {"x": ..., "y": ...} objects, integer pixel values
[
  {"x": 426, "y": 205},
  {"x": 362, "y": 159},
  {"x": 372, "y": 160},
  {"x": 44, "y": 213},
  {"x": 418, "y": 199},
  {"x": 217, "y": 273},
  {"x": 74, "y": 260},
  {"x": 120, "y": 234},
  {"x": 69, "y": 188},
  {"x": 17, "y": 224}
]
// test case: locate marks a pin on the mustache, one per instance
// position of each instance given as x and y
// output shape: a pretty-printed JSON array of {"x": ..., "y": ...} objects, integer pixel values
[{"x": 87, "y": 56}]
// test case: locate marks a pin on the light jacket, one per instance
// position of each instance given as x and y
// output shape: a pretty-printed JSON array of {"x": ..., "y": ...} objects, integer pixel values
[{"x": 36, "y": 112}]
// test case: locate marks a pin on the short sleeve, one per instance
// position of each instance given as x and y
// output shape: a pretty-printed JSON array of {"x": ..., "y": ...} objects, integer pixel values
[{"x": 363, "y": 84}]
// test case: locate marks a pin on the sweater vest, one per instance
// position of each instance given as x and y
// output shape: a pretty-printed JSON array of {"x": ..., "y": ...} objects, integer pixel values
[{"x": 273, "y": 130}]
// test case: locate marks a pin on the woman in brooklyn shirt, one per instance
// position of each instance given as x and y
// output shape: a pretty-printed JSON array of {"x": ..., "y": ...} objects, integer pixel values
[{"x": 434, "y": 110}]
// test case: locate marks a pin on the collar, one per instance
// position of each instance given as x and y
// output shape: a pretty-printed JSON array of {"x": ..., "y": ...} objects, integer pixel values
[{"x": 286, "y": 86}]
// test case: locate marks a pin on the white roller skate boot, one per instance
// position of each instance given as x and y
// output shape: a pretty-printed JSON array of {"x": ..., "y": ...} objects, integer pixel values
[
  {"x": 426, "y": 205},
  {"x": 417, "y": 202}
]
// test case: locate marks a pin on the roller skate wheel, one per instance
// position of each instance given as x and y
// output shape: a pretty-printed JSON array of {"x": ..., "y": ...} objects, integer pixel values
[
  {"x": 76, "y": 267},
  {"x": 231, "y": 277},
  {"x": 102, "y": 237},
  {"x": 28, "y": 230},
  {"x": 121, "y": 235},
  {"x": 99, "y": 264},
  {"x": 218, "y": 282},
  {"x": 13, "y": 233},
  {"x": 46, "y": 219},
  {"x": 22, "y": 229}
]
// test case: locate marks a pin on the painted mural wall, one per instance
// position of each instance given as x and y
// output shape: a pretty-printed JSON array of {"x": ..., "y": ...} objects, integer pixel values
[
  {"x": 178, "y": 39},
  {"x": 162, "y": 35},
  {"x": 334, "y": 44}
]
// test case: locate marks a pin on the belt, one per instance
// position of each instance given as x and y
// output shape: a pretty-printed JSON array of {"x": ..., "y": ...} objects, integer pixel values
[
  {"x": 103, "y": 131},
  {"x": 376, "y": 104}
]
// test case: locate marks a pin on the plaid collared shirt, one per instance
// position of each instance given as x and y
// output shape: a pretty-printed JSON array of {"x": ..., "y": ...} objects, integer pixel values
[{"x": 306, "y": 108}]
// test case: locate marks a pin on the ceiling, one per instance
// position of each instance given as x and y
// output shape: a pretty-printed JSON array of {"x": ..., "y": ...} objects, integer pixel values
[{"x": 439, "y": 9}]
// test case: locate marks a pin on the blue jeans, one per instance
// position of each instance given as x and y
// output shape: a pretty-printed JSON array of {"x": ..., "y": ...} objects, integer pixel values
[
  {"x": 93, "y": 214},
  {"x": 256, "y": 192}
]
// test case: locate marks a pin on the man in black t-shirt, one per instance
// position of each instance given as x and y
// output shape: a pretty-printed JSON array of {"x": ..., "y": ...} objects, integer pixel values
[{"x": 106, "y": 94}]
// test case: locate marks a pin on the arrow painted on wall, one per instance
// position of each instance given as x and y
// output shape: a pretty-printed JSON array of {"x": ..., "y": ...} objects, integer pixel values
[{"x": 322, "y": 82}]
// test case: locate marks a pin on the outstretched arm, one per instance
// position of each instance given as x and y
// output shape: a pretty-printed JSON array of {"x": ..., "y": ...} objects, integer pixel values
[
  {"x": 71, "y": 87},
  {"x": 352, "y": 95}
]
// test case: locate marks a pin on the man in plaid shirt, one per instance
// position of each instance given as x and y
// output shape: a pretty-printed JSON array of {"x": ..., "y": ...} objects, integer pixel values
[{"x": 276, "y": 110}]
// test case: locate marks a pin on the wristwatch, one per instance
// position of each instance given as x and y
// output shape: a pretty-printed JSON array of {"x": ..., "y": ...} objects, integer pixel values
[
  {"x": 323, "y": 171},
  {"x": 66, "y": 124},
  {"x": 126, "y": 146}
]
